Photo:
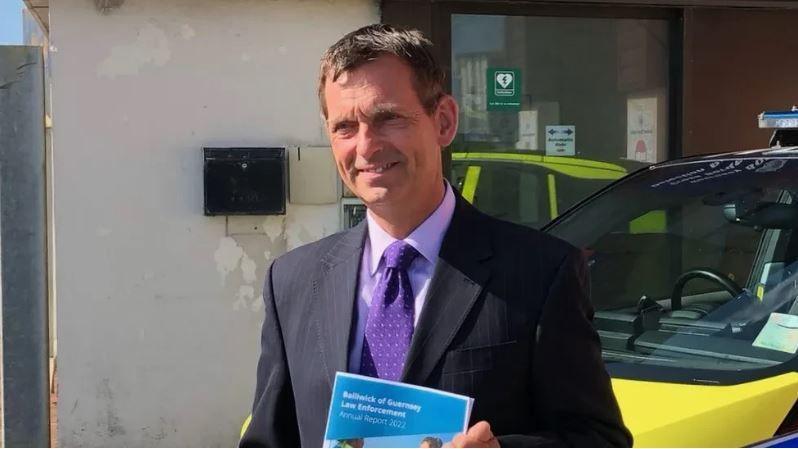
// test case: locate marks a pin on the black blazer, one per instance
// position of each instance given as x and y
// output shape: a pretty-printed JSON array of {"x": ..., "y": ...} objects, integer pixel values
[{"x": 507, "y": 321}]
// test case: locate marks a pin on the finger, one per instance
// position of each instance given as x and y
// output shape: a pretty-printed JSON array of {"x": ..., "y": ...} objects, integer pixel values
[
  {"x": 460, "y": 440},
  {"x": 480, "y": 431}
]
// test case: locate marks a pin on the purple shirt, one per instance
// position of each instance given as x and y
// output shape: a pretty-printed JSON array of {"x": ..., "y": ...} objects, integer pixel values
[{"x": 426, "y": 239}]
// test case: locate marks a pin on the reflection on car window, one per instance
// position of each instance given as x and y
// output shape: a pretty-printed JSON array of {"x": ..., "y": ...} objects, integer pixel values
[
  {"x": 510, "y": 193},
  {"x": 695, "y": 265},
  {"x": 572, "y": 190},
  {"x": 528, "y": 189}
]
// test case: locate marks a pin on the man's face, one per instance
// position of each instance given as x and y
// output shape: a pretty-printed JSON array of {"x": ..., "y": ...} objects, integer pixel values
[{"x": 386, "y": 147}]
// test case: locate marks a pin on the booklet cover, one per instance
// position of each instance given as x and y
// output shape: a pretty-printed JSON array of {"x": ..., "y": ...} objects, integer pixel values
[{"x": 370, "y": 412}]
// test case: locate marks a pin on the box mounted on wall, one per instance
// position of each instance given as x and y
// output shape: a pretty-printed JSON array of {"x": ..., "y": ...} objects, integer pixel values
[
  {"x": 244, "y": 181},
  {"x": 313, "y": 178}
]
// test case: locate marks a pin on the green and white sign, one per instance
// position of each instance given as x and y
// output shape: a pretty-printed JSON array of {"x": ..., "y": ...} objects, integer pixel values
[{"x": 504, "y": 89}]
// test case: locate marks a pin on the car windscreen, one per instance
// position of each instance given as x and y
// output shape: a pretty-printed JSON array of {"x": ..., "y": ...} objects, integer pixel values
[{"x": 694, "y": 265}]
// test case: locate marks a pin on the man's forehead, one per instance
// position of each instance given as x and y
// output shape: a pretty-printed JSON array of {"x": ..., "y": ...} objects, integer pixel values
[
  {"x": 383, "y": 85},
  {"x": 376, "y": 71}
]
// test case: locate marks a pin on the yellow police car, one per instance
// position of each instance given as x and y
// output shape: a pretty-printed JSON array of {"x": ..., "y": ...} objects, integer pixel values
[{"x": 694, "y": 267}]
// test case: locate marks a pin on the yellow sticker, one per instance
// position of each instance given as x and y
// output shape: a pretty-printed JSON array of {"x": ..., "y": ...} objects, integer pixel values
[{"x": 780, "y": 333}]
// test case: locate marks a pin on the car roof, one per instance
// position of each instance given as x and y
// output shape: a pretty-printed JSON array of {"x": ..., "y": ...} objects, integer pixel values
[
  {"x": 534, "y": 158},
  {"x": 761, "y": 153}
]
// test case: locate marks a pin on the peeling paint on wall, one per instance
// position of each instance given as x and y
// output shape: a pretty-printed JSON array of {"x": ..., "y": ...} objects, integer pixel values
[
  {"x": 245, "y": 293},
  {"x": 186, "y": 32},
  {"x": 227, "y": 256},
  {"x": 257, "y": 304},
  {"x": 150, "y": 48},
  {"x": 230, "y": 256},
  {"x": 304, "y": 226},
  {"x": 248, "y": 268},
  {"x": 274, "y": 226}
]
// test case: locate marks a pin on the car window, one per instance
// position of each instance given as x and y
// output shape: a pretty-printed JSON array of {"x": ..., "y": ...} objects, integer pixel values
[
  {"x": 529, "y": 194},
  {"x": 512, "y": 192},
  {"x": 628, "y": 262},
  {"x": 695, "y": 266},
  {"x": 571, "y": 190}
]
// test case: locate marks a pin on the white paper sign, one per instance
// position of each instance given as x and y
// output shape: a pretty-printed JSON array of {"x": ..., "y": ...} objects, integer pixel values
[
  {"x": 561, "y": 140},
  {"x": 527, "y": 130},
  {"x": 780, "y": 333},
  {"x": 641, "y": 129}
]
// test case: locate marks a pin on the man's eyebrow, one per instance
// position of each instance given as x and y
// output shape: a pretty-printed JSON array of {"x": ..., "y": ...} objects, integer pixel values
[
  {"x": 383, "y": 108},
  {"x": 385, "y": 111},
  {"x": 376, "y": 113}
]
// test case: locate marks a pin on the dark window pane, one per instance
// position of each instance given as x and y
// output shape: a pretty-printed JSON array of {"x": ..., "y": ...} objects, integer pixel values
[{"x": 602, "y": 85}]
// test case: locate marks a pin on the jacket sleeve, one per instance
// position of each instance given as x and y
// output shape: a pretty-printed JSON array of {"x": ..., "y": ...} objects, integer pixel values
[
  {"x": 573, "y": 398},
  {"x": 274, "y": 421}
]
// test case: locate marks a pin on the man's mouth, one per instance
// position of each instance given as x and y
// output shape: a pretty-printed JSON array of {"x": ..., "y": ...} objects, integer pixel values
[{"x": 378, "y": 168}]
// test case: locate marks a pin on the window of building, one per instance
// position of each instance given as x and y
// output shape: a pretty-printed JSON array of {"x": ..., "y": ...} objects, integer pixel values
[{"x": 592, "y": 93}]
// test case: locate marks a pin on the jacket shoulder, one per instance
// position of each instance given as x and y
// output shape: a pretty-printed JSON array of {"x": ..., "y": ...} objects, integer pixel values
[
  {"x": 312, "y": 254},
  {"x": 515, "y": 237}
]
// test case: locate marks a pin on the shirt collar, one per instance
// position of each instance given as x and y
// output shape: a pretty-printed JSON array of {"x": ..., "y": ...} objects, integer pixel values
[{"x": 426, "y": 238}]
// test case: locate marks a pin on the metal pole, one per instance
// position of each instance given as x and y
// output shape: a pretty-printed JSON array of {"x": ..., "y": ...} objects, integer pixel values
[
  {"x": 2, "y": 379},
  {"x": 23, "y": 250}
]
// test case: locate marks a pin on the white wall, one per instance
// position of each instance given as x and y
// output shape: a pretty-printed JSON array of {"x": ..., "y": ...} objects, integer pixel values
[{"x": 158, "y": 305}]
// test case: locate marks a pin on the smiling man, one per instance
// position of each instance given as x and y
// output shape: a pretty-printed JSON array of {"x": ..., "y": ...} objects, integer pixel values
[{"x": 427, "y": 290}]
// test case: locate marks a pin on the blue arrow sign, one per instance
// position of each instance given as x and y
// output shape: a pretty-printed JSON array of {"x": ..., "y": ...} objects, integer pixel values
[{"x": 561, "y": 140}]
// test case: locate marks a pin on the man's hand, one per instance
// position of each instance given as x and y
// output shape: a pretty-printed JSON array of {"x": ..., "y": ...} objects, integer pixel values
[{"x": 479, "y": 435}]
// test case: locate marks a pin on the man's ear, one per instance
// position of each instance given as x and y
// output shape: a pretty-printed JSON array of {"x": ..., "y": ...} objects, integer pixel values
[{"x": 447, "y": 116}]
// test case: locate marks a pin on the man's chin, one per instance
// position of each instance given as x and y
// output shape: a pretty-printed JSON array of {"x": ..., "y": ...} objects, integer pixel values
[{"x": 376, "y": 196}]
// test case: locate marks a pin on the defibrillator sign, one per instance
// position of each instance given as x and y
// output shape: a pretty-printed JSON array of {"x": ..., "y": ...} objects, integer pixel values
[{"x": 503, "y": 89}]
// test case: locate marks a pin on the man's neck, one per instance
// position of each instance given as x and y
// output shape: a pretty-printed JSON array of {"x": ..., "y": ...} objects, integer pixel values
[{"x": 399, "y": 222}]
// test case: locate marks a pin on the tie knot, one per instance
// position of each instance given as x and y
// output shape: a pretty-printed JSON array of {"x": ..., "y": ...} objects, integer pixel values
[{"x": 400, "y": 255}]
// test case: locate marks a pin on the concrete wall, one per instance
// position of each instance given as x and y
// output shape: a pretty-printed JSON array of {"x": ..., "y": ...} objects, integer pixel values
[{"x": 158, "y": 305}]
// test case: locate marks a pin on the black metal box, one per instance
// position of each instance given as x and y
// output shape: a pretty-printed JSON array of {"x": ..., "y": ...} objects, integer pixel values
[{"x": 245, "y": 181}]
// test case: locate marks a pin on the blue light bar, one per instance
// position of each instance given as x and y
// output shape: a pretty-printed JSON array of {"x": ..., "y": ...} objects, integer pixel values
[{"x": 779, "y": 119}]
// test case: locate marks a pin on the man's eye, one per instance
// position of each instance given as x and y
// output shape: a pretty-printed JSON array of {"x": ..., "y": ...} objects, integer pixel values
[
  {"x": 392, "y": 120},
  {"x": 343, "y": 128}
]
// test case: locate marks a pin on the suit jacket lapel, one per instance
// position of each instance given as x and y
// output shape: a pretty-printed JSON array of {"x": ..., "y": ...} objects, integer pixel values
[
  {"x": 460, "y": 275},
  {"x": 335, "y": 292}
]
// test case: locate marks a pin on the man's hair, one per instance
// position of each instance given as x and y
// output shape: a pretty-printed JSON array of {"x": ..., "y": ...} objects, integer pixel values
[
  {"x": 370, "y": 42},
  {"x": 432, "y": 441}
]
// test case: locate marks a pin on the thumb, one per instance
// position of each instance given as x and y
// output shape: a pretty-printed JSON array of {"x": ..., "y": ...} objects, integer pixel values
[{"x": 480, "y": 431}]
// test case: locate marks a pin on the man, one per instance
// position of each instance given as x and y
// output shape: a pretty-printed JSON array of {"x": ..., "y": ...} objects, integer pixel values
[
  {"x": 430, "y": 442},
  {"x": 426, "y": 290}
]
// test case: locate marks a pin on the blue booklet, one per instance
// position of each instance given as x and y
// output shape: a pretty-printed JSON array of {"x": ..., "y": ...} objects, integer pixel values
[{"x": 370, "y": 412}]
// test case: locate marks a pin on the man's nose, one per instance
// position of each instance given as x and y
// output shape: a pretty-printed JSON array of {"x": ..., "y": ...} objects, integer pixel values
[{"x": 368, "y": 142}]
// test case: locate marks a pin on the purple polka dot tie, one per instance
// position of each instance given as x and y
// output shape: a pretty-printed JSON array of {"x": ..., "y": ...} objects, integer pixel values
[{"x": 389, "y": 327}]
